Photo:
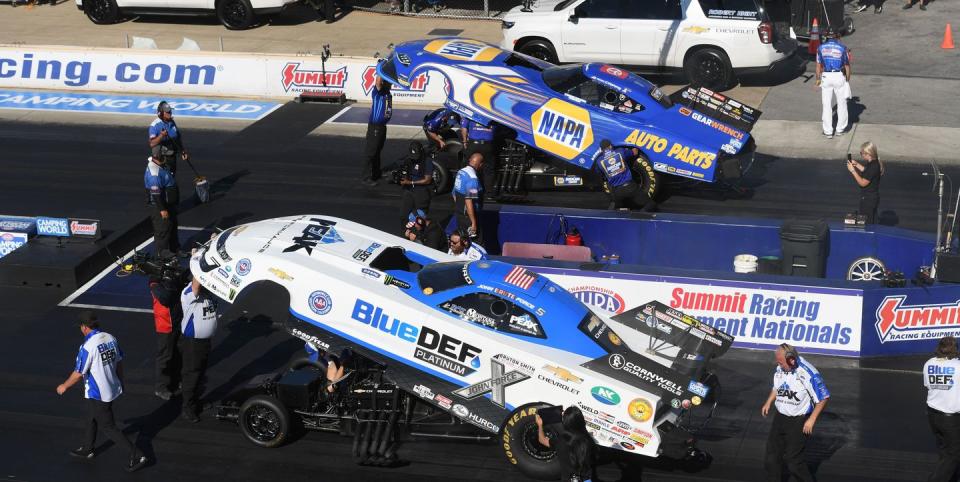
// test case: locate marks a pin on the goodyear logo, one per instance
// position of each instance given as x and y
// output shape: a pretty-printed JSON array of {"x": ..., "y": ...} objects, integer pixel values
[
  {"x": 466, "y": 50},
  {"x": 562, "y": 129},
  {"x": 650, "y": 142}
]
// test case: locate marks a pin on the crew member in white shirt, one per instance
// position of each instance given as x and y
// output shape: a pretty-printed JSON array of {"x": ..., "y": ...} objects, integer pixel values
[
  {"x": 198, "y": 327},
  {"x": 800, "y": 395},
  {"x": 943, "y": 406},
  {"x": 98, "y": 365}
]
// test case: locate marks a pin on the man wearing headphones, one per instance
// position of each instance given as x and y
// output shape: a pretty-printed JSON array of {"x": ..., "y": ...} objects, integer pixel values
[
  {"x": 164, "y": 133},
  {"x": 943, "y": 406},
  {"x": 800, "y": 395}
]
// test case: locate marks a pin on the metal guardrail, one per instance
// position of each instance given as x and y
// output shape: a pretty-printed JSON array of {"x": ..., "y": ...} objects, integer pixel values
[{"x": 465, "y": 9}]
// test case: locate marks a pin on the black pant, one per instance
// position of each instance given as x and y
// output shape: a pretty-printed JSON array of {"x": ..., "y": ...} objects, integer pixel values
[
  {"x": 168, "y": 361},
  {"x": 628, "y": 196},
  {"x": 195, "y": 353},
  {"x": 100, "y": 416},
  {"x": 414, "y": 198},
  {"x": 785, "y": 446},
  {"x": 868, "y": 206},
  {"x": 165, "y": 230},
  {"x": 376, "y": 135},
  {"x": 947, "y": 431}
]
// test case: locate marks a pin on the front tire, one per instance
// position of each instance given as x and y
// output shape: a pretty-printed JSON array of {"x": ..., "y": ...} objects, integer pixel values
[
  {"x": 264, "y": 421},
  {"x": 648, "y": 180},
  {"x": 101, "y": 12},
  {"x": 709, "y": 68},
  {"x": 523, "y": 450},
  {"x": 235, "y": 14},
  {"x": 539, "y": 49}
]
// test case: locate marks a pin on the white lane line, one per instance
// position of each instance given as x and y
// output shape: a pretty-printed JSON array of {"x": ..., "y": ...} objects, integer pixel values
[
  {"x": 110, "y": 308},
  {"x": 337, "y": 115}
]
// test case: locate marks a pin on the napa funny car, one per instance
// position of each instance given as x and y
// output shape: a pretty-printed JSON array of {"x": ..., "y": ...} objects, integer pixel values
[
  {"x": 566, "y": 111},
  {"x": 486, "y": 341}
]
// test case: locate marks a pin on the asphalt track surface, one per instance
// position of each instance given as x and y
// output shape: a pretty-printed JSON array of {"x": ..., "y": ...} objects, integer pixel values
[{"x": 874, "y": 428}]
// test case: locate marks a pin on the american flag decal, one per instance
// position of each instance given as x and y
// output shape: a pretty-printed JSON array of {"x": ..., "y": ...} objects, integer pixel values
[{"x": 520, "y": 278}]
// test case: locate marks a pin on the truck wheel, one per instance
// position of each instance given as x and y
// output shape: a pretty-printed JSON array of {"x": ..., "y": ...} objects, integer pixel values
[
  {"x": 235, "y": 14},
  {"x": 708, "y": 68},
  {"x": 523, "y": 450},
  {"x": 539, "y": 49},
  {"x": 648, "y": 180},
  {"x": 101, "y": 12},
  {"x": 264, "y": 421}
]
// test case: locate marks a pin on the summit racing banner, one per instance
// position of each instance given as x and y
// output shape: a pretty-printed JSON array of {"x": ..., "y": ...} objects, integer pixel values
[
  {"x": 758, "y": 315},
  {"x": 910, "y": 320}
]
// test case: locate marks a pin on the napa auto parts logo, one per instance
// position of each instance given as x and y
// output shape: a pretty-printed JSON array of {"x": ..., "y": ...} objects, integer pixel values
[
  {"x": 896, "y": 322},
  {"x": 602, "y": 298},
  {"x": 300, "y": 80},
  {"x": 417, "y": 87}
]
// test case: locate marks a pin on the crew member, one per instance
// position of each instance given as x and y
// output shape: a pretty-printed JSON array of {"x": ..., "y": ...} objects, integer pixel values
[
  {"x": 575, "y": 447},
  {"x": 438, "y": 122},
  {"x": 167, "y": 315},
  {"x": 943, "y": 406},
  {"x": 800, "y": 395},
  {"x": 380, "y": 112},
  {"x": 867, "y": 175},
  {"x": 421, "y": 229},
  {"x": 199, "y": 325},
  {"x": 163, "y": 196},
  {"x": 163, "y": 133},
  {"x": 467, "y": 197},
  {"x": 335, "y": 366},
  {"x": 462, "y": 247},
  {"x": 417, "y": 185},
  {"x": 99, "y": 366},
  {"x": 833, "y": 77},
  {"x": 614, "y": 165},
  {"x": 479, "y": 138}
]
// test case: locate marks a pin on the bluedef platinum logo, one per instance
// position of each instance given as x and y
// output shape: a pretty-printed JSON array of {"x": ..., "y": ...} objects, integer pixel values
[{"x": 320, "y": 302}]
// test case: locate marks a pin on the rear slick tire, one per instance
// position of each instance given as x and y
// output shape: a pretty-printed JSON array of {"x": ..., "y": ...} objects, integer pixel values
[{"x": 522, "y": 448}]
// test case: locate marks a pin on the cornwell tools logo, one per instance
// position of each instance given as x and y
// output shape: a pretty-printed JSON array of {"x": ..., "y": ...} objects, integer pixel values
[
  {"x": 300, "y": 79},
  {"x": 496, "y": 385},
  {"x": 896, "y": 322}
]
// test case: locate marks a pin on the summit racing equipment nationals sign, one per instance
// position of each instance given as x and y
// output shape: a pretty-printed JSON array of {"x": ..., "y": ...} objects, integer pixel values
[{"x": 897, "y": 321}]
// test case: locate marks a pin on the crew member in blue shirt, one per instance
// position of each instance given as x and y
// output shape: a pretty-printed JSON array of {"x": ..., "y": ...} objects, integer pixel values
[
  {"x": 99, "y": 366},
  {"x": 380, "y": 112},
  {"x": 436, "y": 123},
  {"x": 482, "y": 139},
  {"x": 614, "y": 166},
  {"x": 417, "y": 185},
  {"x": 163, "y": 196},
  {"x": 468, "y": 197},
  {"x": 198, "y": 327},
  {"x": 833, "y": 77},
  {"x": 163, "y": 133}
]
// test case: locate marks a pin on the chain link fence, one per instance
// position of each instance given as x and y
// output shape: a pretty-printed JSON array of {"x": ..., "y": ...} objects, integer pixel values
[{"x": 466, "y": 9}]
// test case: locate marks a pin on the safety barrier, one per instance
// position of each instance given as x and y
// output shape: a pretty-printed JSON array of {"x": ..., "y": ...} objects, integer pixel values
[{"x": 466, "y": 9}]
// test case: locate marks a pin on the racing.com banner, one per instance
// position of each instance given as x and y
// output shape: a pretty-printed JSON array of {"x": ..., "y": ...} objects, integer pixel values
[{"x": 168, "y": 72}]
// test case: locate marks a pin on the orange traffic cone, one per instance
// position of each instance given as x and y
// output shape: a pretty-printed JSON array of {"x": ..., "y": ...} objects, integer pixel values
[
  {"x": 814, "y": 42},
  {"x": 947, "y": 39}
]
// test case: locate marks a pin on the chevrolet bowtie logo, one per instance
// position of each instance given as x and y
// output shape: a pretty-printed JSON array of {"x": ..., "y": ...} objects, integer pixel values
[
  {"x": 495, "y": 385},
  {"x": 562, "y": 373}
]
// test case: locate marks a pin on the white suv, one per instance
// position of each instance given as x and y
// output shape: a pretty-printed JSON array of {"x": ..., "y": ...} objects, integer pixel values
[
  {"x": 233, "y": 14},
  {"x": 712, "y": 41}
]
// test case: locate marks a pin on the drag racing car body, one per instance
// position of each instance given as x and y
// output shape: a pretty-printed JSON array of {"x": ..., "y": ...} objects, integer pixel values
[
  {"x": 565, "y": 111},
  {"x": 486, "y": 341}
]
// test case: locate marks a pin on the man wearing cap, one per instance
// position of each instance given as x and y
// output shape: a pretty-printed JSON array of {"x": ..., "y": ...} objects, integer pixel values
[
  {"x": 163, "y": 197},
  {"x": 198, "y": 327},
  {"x": 164, "y": 133},
  {"x": 417, "y": 185},
  {"x": 99, "y": 365},
  {"x": 833, "y": 77},
  {"x": 943, "y": 406},
  {"x": 421, "y": 229},
  {"x": 614, "y": 166}
]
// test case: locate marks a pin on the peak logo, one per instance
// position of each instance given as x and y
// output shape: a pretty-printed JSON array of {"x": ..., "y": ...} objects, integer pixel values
[
  {"x": 602, "y": 298},
  {"x": 897, "y": 322},
  {"x": 418, "y": 84},
  {"x": 294, "y": 77}
]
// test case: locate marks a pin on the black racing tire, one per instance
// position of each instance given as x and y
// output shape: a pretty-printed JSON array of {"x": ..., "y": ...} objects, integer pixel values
[
  {"x": 539, "y": 49},
  {"x": 102, "y": 12},
  {"x": 442, "y": 180},
  {"x": 264, "y": 421},
  {"x": 236, "y": 14},
  {"x": 648, "y": 179},
  {"x": 708, "y": 67},
  {"x": 520, "y": 445}
]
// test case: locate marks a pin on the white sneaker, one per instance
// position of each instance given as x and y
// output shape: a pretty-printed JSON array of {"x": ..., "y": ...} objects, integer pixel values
[
  {"x": 861, "y": 8},
  {"x": 828, "y": 136}
]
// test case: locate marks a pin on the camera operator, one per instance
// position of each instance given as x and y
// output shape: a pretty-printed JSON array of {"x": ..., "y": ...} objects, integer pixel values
[
  {"x": 867, "y": 174},
  {"x": 462, "y": 247},
  {"x": 415, "y": 177},
  {"x": 436, "y": 123},
  {"x": 167, "y": 315},
  {"x": 421, "y": 229},
  {"x": 163, "y": 196},
  {"x": 163, "y": 133}
]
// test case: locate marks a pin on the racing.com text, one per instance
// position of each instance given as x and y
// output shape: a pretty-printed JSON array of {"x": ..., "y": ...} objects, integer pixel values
[{"x": 76, "y": 73}]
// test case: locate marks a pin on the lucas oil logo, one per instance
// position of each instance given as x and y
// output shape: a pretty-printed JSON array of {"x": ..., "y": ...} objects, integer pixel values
[
  {"x": 463, "y": 50},
  {"x": 562, "y": 129},
  {"x": 896, "y": 322},
  {"x": 417, "y": 84},
  {"x": 602, "y": 298},
  {"x": 301, "y": 79}
]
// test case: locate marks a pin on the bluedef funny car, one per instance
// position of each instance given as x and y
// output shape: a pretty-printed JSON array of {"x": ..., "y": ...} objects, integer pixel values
[
  {"x": 558, "y": 115},
  {"x": 484, "y": 343}
]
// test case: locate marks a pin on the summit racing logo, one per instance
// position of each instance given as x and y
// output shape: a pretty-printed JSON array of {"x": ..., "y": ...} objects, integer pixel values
[
  {"x": 562, "y": 129},
  {"x": 417, "y": 84},
  {"x": 896, "y": 322},
  {"x": 602, "y": 298},
  {"x": 294, "y": 77},
  {"x": 321, "y": 232}
]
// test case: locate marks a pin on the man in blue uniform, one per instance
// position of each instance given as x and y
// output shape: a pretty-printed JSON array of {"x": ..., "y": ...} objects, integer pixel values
[
  {"x": 614, "y": 165},
  {"x": 833, "y": 77},
  {"x": 479, "y": 138},
  {"x": 381, "y": 110},
  {"x": 417, "y": 185},
  {"x": 467, "y": 197},
  {"x": 163, "y": 133},
  {"x": 199, "y": 325},
  {"x": 163, "y": 196},
  {"x": 438, "y": 122},
  {"x": 99, "y": 366},
  {"x": 461, "y": 247},
  {"x": 800, "y": 396},
  {"x": 943, "y": 406}
]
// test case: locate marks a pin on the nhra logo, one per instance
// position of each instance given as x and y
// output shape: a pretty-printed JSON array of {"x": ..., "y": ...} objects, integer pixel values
[
  {"x": 896, "y": 322},
  {"x": 293, "y": 76},
  {"x": 562, "y": 129},
  {"x": 320, "y": 302},
  {"x": 418, "y": 84},
  {"x": 602, "y": 298}
]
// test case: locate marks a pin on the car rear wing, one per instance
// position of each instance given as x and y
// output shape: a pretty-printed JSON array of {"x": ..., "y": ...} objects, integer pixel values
[{"x": 718, "y": 106}]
